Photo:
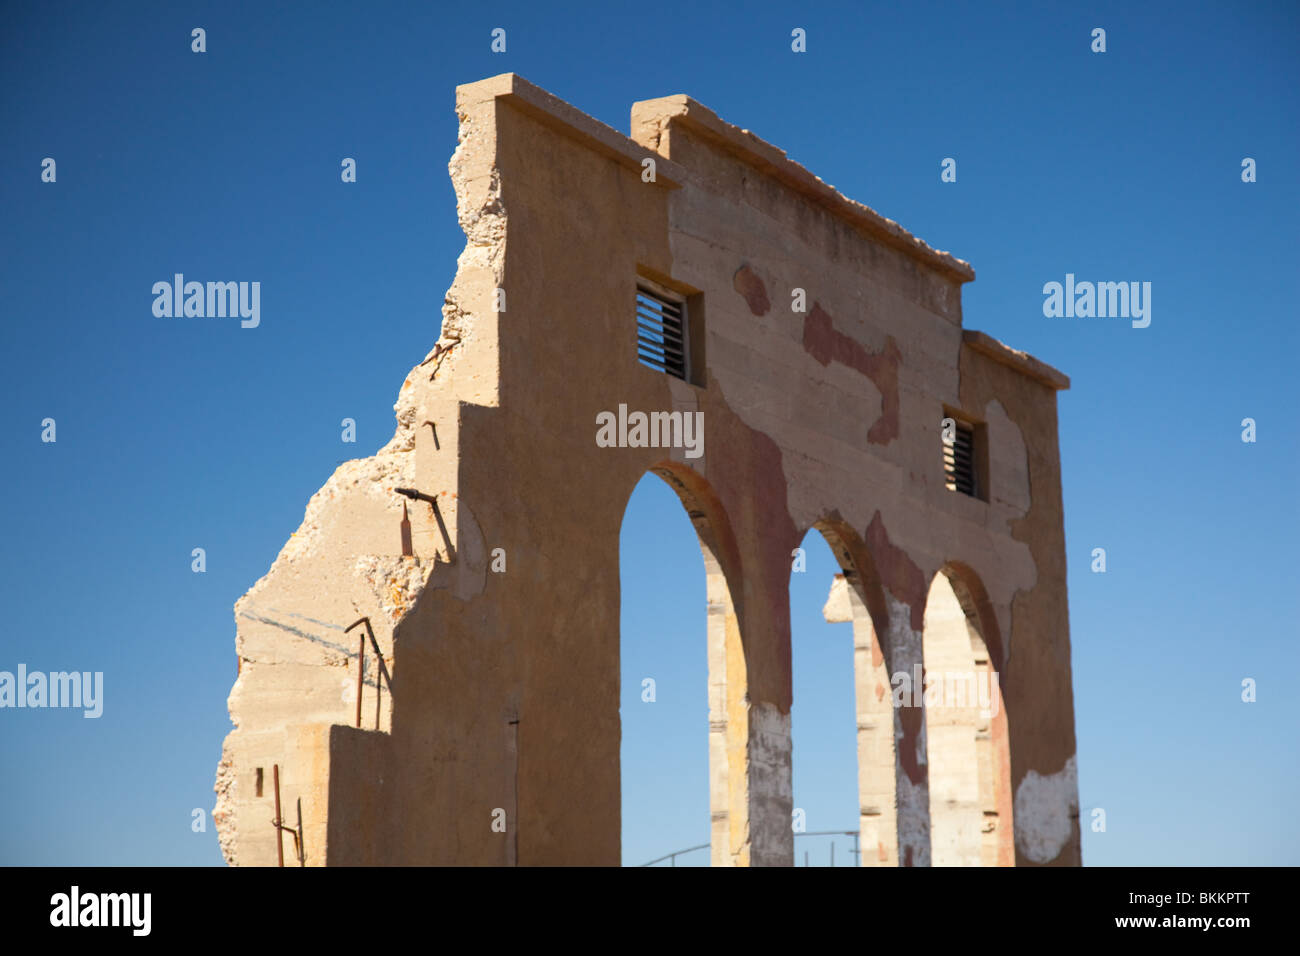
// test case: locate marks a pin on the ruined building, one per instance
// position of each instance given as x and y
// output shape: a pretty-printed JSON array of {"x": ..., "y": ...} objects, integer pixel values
[{"x": 823, "y": 345}]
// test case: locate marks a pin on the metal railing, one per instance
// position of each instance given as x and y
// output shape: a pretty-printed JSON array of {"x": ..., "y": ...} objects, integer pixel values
[
  {"x": 672, "y": 857},
  {"x": 855, "y": 852}
]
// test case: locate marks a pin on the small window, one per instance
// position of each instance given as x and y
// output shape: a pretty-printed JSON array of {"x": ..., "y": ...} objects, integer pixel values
[
  {"x": 662, "y": 333},
  {"x": 961, "y": 469}
]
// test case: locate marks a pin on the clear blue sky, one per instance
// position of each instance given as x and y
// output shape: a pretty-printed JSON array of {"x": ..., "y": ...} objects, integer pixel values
[{"x": 181, "y": 434}]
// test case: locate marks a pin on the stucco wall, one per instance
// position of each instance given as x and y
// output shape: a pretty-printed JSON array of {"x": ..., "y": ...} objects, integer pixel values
[{"x": 506, "y": 684}]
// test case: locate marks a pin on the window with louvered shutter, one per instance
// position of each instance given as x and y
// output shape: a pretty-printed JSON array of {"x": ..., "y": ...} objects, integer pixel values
[
  {"x": 662, "y": 339},
  {"x": 959, "y": 468}
]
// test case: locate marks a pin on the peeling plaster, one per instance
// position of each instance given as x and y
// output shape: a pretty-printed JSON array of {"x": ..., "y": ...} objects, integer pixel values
[
  {"x": 771, "y": 786},
  {"x": 394, "y": 582},
  {"x": 752, "y": 289},
  {"x": 826, "y": 345},
  {"x": 1045, "y": 809},
  {"x": 913, "y": 791},
  {"x": 899, "y": 573},
  {"x": 1011, "y": 501},
  {"x": 1010, "y": 467}
]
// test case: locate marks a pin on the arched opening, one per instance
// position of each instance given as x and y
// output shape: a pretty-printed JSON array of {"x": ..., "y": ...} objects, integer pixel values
[
  {"x": 965, "y": 726},
  {"x": 822, "y": 718},
  {"x": 842, "y": 717},
  {"x": 682, "y": 677}
]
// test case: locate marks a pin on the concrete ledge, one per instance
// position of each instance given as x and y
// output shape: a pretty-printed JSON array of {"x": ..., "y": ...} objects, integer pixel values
[
  {"x": 767, "y": 158},
  {"x": 560, "y": 116},
  {"x": 1022, "y": 362}
]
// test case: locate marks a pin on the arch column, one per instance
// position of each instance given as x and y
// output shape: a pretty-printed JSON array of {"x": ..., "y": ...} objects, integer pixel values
[
  {"x": 877, "y": 805},
  {"x": 728, "y": 725},
  {"x": 878, "y": 728},
  {"x": 905, "y": 660},
  {"x": 750, "y": 771}
]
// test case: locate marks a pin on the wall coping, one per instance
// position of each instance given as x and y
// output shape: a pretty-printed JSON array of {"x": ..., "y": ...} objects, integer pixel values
[
  {"x": 572, "y": 122},
  {"x": 1022, "y": 362},
  {"x": 773, "y": 161}
]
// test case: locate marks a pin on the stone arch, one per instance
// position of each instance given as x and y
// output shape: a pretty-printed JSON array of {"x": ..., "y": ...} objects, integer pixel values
[
  {"x": 967, "y": 739},
  {"x": 975, "y": 603},
  {"x": 727, "y": 665},
  {"x": 866, "y": 609}
]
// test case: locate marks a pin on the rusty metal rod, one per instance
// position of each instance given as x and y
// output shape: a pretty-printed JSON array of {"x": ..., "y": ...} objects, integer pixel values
[
  {"x": 437, "y": 515},
  {"x": 383, "y": 668},
  {"x": 361, "y": 669},
  {"x": 279, "y": 830},
  {"x": 361, "y": 674},
  {"x": 302, "y": 852},
  {"x": 416, "y": 495}
]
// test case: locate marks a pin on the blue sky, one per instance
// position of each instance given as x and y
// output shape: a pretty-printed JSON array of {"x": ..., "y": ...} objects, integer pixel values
[{"x": 177, "y": 434}]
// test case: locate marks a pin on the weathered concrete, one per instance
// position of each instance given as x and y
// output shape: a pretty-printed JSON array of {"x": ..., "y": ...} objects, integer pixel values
[{"x": 499, "y": 743}]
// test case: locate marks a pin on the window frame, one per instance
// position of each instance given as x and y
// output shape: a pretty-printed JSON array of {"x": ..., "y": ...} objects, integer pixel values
[
  {"x": 656, "y": 290},
  {"x": 978, "y": 456}
]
